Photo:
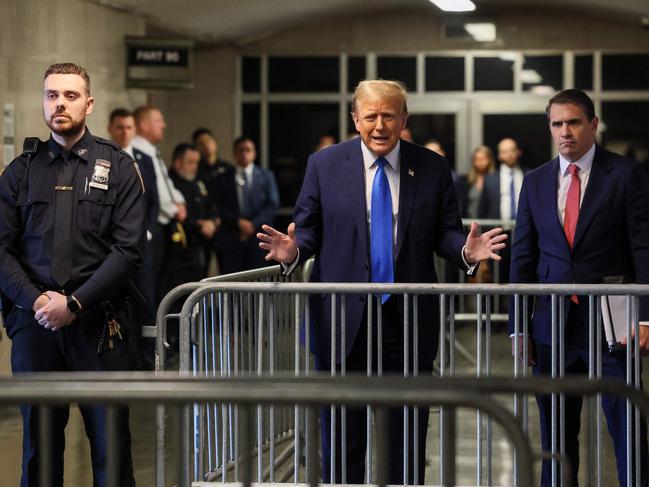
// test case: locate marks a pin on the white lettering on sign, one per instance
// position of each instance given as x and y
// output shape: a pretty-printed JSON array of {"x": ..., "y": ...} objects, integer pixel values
[
  {"x": 150, "y": 55},
  {"x": 172, "y": 56}
]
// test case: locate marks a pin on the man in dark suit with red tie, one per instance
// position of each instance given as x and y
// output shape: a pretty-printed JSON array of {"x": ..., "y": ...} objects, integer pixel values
[
  {"x": 582, "y": 218},
  {"x": 376, "y": 209}
]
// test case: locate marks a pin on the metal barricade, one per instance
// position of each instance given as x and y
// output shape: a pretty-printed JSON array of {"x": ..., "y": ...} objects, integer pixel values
[
  {"x": 255, "y": 327},
  {"x": 244, "y": 395}
]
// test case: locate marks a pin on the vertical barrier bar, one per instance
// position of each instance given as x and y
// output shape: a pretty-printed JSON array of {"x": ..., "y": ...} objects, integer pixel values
[
  {"x": 245, "y": 439},
  {"x": 197, "y": 359},
  {"x": 406, "y": 358},
  {"x": 443, "y": 446},
  {"x": 448, "y": 428},
  {"x": 297, "y": 452},
  {"x": 590, "y": 457},
  {"x": 599, "y": 396},
  {"x": 489, "y": 446},
  {"x": 45, "y": 445},
  {"x": 226, "y": 432},
  {"x": 526, "y": 360},
  {"x": 415, "y": 373},
  {"x": 562, "y": 397},
  {"x": 260, "y": 365},
  {"x": 368, "y": 413},
  {"x": 112, "y": 455},
  {"x": 343, "y": 373},
  {"x": 332, "y": 408},
  {"x": 271, "y": 371},
  {"x": 238, "y": 338},
  {"x": 211, "y": 421},
  {"x": 517, "y": 367},
  {"x": 553, "y": 427},
  {"x": 204, "y": 431},
  {"x": 311, "y": 448},
  {"x": 637, "y": 385},
  {"x": 382, "y": 442},
  {"x": 478, "y": 371},
  {"x": 311, "y": 435},
  {"x": 629, "y": 380}
]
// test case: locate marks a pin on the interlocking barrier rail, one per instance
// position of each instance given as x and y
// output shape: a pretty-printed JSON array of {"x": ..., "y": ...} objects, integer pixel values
[
  {"x": 230, "y": 329},
  {"x": 247, "y": 394}
]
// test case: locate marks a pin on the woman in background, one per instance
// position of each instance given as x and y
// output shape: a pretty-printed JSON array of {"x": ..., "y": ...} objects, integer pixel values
[{"x": 482, "y": 163}]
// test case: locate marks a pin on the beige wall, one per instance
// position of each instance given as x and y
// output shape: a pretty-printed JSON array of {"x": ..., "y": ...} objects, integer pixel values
[
  {"x": 211, "y": 104},
  {"x": 36, "y": 33}
]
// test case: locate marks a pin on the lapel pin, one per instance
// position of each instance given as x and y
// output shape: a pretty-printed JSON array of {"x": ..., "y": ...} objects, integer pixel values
[{"x": 411, "y": 172}]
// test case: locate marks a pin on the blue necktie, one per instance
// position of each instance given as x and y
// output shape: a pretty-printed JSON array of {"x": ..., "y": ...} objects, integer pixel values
[
  {"x": 512, "y": 197},
  {"x": 381, "y": 228}
]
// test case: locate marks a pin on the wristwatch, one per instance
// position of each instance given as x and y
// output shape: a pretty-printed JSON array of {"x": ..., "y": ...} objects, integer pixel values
[{"x": 73, "y": 305}]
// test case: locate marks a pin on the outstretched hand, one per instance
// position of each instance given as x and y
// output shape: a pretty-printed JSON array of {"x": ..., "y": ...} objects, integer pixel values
[
  {"x": 484, "y": 246},
  {"x": 281, "y": 247}
]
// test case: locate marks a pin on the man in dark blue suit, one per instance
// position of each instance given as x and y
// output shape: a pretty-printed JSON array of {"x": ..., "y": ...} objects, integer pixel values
[
  {"x": 582, "y": 218},
  {"x": 121, "y": 127},
  {"x": 248, "y": 197},
  {"x": 376, "y": 209}
]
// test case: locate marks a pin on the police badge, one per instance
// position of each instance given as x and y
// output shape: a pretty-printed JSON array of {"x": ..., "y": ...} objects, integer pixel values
[{"x": 100, "y": 174}]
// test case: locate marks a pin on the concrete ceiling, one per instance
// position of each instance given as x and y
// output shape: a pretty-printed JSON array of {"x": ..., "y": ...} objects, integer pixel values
[{"x": 241, "y": 21}]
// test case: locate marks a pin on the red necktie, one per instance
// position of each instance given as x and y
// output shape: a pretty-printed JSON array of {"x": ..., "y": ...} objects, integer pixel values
[{"x": 572, "y": 208}]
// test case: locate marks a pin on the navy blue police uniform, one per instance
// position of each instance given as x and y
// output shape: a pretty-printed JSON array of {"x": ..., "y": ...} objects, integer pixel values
[{"x": 106, "y": 242}]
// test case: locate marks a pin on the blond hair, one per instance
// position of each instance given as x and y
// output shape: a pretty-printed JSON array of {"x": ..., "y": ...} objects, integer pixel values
[
  {"x": 473, "y": 174},
  {"x": 381, "y": 88}
]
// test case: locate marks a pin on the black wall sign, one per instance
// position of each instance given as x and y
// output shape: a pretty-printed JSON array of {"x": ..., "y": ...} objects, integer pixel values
[
  {"x": 154, "y": 62},
  {"x": 152, "y": 56}
]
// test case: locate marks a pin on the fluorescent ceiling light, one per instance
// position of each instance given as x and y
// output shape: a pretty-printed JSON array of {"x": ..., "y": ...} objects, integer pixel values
[
  {"x": 545, "y": 90},
  {"x": 455, "y": 5},
  {"x": 530, "y": 76},
  {"x": 481, "y": 31}
]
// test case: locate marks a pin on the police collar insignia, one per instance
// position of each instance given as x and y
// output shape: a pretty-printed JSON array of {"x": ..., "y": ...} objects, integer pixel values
[
  {"x": 82, "y": 152},
  {"x": 100, "y": 174},
  {"x": 201, "y": 187}
]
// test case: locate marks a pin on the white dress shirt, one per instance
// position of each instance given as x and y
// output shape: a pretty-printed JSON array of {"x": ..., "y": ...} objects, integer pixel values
[
  {"x": 244, "y": 180},
  {"x": 392, "y": 172},
  {"x": 585, "y": 164},
  {"x": 506, "y": 175},
  {"x": 168, "y": 195}
]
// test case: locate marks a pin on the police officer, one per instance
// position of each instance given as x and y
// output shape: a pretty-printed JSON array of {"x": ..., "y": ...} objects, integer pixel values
[
  {"x": 72, "y": 230},
  {"x": 187, "y": 256}
]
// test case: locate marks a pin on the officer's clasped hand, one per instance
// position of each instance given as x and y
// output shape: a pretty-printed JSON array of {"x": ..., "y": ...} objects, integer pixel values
[{"x": 55, "y": 314}]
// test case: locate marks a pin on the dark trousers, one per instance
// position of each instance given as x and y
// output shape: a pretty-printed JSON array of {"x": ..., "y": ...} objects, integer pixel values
[
  {"x": 576, "y": 362},
  {"x": 356, "y": 427},
  {"x": 35, "y": 349}
]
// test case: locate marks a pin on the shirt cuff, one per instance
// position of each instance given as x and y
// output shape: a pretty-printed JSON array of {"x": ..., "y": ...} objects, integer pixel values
[
  {"x": 644, "y": 323},
  {"x": 470, "y": 269},
  {"x": 287, "y": 269}
]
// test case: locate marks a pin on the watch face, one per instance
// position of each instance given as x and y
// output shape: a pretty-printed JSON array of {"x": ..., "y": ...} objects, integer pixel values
[{"x": 73, "y": 306}]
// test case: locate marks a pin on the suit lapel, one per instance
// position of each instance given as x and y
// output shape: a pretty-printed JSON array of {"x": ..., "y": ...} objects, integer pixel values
[
  {"x": 406, "y": 195},
  {"x": 599, "y": 183},
  {"x": 354, "y": 191},
  {"x": 551, "y": 197}
]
